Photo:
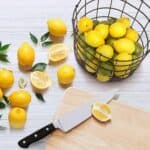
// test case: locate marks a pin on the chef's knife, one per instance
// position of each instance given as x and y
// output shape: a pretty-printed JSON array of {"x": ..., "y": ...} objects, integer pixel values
[{"x": 65, "y": 123}]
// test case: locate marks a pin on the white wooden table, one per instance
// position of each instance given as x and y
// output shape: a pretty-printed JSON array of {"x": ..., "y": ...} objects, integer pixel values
[{"x": 17, "y": 19}]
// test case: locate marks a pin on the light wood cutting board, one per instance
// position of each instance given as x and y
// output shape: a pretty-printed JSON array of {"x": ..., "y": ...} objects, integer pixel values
[{"x": 128, "y": 130}]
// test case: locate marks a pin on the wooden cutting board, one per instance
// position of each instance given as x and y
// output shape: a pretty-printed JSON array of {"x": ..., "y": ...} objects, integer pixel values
[{"x": 128, "y": 130}]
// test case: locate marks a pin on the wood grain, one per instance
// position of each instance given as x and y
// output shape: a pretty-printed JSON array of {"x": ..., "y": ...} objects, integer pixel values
[{"x": 128, "y": 129}]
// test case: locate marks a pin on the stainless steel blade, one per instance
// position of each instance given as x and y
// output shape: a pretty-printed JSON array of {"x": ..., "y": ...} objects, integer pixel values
[{"x": 77, "y": 116}]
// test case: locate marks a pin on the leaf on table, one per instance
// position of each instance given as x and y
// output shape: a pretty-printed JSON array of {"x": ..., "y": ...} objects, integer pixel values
[
  {"x": 47, "y": 43},
  {"x": 39, "y": 67},
  {"x": 2, "y": 128},
  {"x": 44, "y": 37},
  {"x": 4, "y": 47},
  {"x": 0, "y": 43},
  {"x": 6, "y": 99},
  {"x": 33, "y": 38},
  {"x": 2, "y": 105},
  {"x": 22, "y": 83},
  {"x": 40, "y": 97},
  {"x": 3, "y": 58},
  {"x": 0, "y": 115}
]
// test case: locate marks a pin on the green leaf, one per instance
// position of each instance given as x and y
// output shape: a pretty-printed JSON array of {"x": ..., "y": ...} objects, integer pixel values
[
  {"x": 0, "y": 115},
  {"x": 44, "y": 37},
  {"x": 47, "y": 43},
  {"x": 4, "y": 47},
  {"x": 33, "y": 38},
  {"x": 6, "y": 99},
  {"x": 2, "y": 105},
  {"x": 3, "y": 58},
  {"x": 40, "y": 97},
  {"x": 2, "y": 128},
  {"x": 0, "y": 43},
  {"x": 39, "y": 67}
]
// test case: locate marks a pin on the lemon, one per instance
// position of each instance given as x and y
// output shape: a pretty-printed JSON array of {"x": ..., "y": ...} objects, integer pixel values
[
  {"x": 122, "y": 63},
  {"x": 17, "y": 118},
  {"x": 124, "y": 45},
  {"x": 80, "y": 52},
  {"x": 26, "y": 56},
  {"x": 93, "y": 39},
  {"x": 117, "y": 30},
  {"x": 138, "y": 49},
  {"x": 6, "y": 78},
  {"x": 104, "y": 52},
  {"x": 125, "y": 21},
  {"x": 91, "y": 65},
  {"x": 102, "y": 78},
  {"x": 57, "y": 27},
  {"x": 66, "y": 74},
  {"x": 40, "y": 80},
  {"x": 101, "y": 112},
  {"x": 85, "y": 24},
  {"x": 103, "y": 30},
  {"x": 1, "y": 94},
  {"x": 132, "y": 34},
  {"x": 110, "y": 41},
  {"x": 90, "y": 53},
  {"x": 20, "y": 98},
  {"x": 58, "y": 52}
]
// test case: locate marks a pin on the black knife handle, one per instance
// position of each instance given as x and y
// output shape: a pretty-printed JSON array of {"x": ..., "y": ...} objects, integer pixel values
[{"x": 36, "y": 136}]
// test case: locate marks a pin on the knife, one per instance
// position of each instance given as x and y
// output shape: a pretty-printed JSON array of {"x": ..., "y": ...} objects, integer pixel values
[{"x": 65, "y": 123}]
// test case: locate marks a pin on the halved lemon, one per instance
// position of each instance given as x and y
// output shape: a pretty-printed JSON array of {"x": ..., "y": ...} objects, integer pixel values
[
  {"x": 58, "y": 52},
  {"x": 40, "y": 80},
  {"x": 101, "y": 112}
]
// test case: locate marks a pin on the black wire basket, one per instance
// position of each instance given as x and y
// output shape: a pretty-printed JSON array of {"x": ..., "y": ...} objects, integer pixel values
[{"x": 99, "y": 10}]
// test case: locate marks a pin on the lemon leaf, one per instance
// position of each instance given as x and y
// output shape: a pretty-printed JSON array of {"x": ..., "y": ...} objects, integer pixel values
[
  {"x": 47, "y": 43},
  {"x": 40, "y": 97},
  {"x": 4, "y": 47},
  {"x": 22, "y": 83},
  {"x": 39, "y": 67},
  {"x": 44, "y": 37},
  {"x": 2, "y": 105},
  {"x": 3, "y": 58},
  {"x": 33, "y": 38},
  {"x": 6, "y": 99}
]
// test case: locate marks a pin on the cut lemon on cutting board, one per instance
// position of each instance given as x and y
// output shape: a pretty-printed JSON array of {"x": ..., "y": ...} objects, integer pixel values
[
  {"x": 40, "y": 80},
  {"x": 101, "y": 112},
  {"x": 58, "y": 52}
]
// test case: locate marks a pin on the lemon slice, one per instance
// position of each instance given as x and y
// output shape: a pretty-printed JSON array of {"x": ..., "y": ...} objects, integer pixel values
[
  {"x": 58, "y": 52},
  {"x": 101, "y": 112},
  {"x": 40, "y": 80}
]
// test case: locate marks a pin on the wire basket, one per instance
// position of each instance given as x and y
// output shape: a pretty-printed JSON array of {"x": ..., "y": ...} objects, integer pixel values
[{"x": 110, "y": 9}]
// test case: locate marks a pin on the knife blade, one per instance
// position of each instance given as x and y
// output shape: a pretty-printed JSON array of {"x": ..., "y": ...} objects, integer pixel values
[{"x": 65, "y": 123}]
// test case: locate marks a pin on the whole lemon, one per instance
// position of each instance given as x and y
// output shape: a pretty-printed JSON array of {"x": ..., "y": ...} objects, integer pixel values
[
  {"x": 26, "y": 56},
  {"x": 17, "y": 117},
  {"x": 125, "y": 21},
  {"x": 132, "y": 34},
  {"x": 117, "y": 30},
  {"x": 103, "y": 30},
  {"x": 20, "y": 98},
  {"x": 124, "y": 45},
  {"x": 1, "y": 94},
  {"x": 104, "y": 52},
  {"x": 57, "y": 27},
  {"x": 66, "y": 74},
  {"x": 93, "y": 39},
  {"x": 85, "y": 24},
  {"x": 91, "y": 65},
  {"x": 6, "y": 78}
]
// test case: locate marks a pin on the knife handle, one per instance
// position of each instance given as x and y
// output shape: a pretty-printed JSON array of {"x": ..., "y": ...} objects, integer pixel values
[{"x": 36, "y": 136}]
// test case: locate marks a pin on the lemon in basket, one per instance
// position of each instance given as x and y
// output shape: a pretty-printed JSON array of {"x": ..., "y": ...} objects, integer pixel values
[
  {"x": 125, "y": 21},
  {"x": 58, "y": 52},
  {"x": 104, "y": 52},
  {"x": 124, "y": 45},
  {"x": 85, "y": 24},
  {"x": 91, "y": 65},
  {"x": 132, "y": 34}
]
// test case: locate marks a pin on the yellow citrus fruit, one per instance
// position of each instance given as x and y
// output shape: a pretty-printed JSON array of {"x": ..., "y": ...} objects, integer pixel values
[
  {"x": 122, "y": 63},
  {"x": 101, "y": 112},
  {"x": 20, "y": 98},
  {"x": 103, "y": 78},
  {"x": 91, "y": 65},
  {"x": 6, "y": 78},
  {"x": 1, "y": 94},
  {"x": 26, "y": 56},
  {"x": 125, "y": 21},
  {"x": 40, "y": 80},
  {"x": 17, "y": 117},
  {"x": 104, "y": 52},
  {"x": 57, "y": 27},
  {"x": 124, "y": 45},
  {"x": 66, "y": 74},
  {"x": 132, "y": 34},
  {"x": 58, "y": 52},
  {"x": 103, "y": 30},
  {"x": 85, "y": 24},
  {"x": 117, "y": 30},
  {"x": 93, "y": 39}
]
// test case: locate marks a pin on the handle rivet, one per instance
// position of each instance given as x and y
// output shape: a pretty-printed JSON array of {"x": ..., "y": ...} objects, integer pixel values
[
  {"x": 24, "y": 142},
  {"x": 47, "y": 129},
  {"x": 35, "y": 135}
]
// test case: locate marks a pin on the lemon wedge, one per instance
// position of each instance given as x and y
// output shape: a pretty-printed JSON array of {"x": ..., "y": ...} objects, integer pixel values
[
  {"x": 101, "y": 112},
  {"x": 40, "y": 80},
  {"x": 58, "y": 52}
]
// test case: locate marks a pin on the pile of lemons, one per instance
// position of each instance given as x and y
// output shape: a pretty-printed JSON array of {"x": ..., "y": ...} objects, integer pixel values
[{"x": 108, "y": 48}]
